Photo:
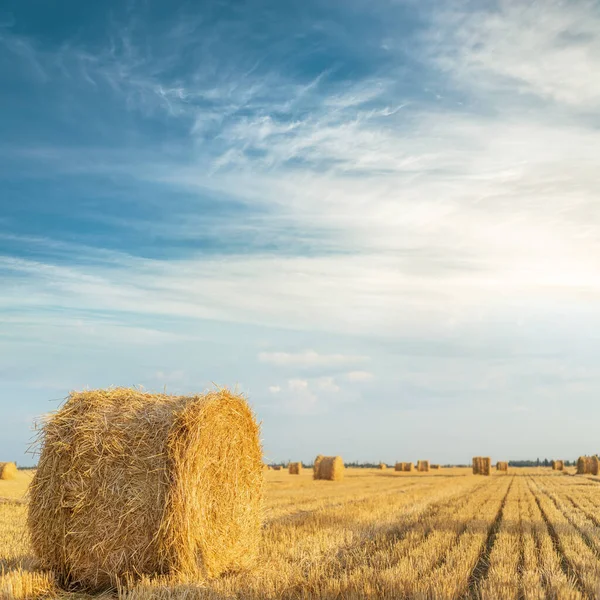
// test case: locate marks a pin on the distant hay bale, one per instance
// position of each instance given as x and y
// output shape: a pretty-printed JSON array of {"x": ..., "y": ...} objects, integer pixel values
[
  {"x": 486, "y": 466},
  {"x": 8, "y": 470},
  {"x": 330, "y": 468},
  {"x": 277, "y": 467},
  {"x": 131, "y": 483},
  {"x": 482, "y": 465},
  {"x": 404, "y": 466},
  {"x": 316, "y": 466},
  {"x": 382, "y": 466},
  {"x": 588, "y": 465},
  {"x": 295, "y": 468},
  {"x": 434, "y": 467},
  {"x": 502, "y": 466},
  {"x": 423, "y": 466},
  {"x": 558, "y": 465}
]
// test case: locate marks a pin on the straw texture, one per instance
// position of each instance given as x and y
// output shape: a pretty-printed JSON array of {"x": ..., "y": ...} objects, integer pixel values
[
  {"x": 330, "y": 468},
  {"x": 8, "y": 470},
  {"x": 502, "y": 466},
  {"x": 130, "y": 483},
  {"x": 423, "y": 466}
]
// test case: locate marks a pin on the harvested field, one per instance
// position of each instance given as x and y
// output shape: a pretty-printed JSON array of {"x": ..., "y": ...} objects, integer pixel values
[{"x": 531, "y": 533}]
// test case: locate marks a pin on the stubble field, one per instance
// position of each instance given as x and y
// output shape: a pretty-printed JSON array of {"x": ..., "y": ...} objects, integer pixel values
[{"x": 526, "y": 535}]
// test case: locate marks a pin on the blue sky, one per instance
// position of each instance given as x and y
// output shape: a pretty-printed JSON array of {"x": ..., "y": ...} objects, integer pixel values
[{"x": 378, "y": 219}]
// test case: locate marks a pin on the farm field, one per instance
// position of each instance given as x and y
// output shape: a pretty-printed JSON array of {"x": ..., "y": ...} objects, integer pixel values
[{"x": 529, "y": 534}]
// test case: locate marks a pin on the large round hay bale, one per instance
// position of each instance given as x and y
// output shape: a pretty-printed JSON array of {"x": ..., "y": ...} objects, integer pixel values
[
  {"x": 502, "y": 466},
  {"x": 423, "y": 466},
  {"x": 295, "y": 468},
  {"x": 382, "y": 466},
  {"x": 330, "y": 468},
  {"x": 8, "y": 470},
  {"x": 581, "y": 464},
  {"x": 130, "y": 483}
]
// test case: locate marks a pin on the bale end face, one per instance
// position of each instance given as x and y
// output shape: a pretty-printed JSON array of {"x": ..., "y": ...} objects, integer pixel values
[{"x": 147, "y": 484}]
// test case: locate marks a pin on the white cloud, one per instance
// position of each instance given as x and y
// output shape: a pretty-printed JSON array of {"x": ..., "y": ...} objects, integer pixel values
[
  {"x": 328, "y": 384},
  {"x": 550, "y": 49},
  {"x": 356, "y": 376},
  {"x": 309, "y": 358},
  {"x": 298, "y": 384},
  {"x": 274, "y": 389}
]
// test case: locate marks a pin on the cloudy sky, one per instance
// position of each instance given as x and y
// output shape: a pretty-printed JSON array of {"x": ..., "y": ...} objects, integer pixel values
[{"x": 379, "y": 220}]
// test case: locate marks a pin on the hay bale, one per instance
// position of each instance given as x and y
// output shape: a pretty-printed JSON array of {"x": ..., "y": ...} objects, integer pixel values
[
  {"x": 502, "y": 466},
  {"x": 594, "y": 465},
  {"x": 423, "y": 466},
  {"x": 581, "y": 463},
  {"x": 406, "y": 467},
  {"x": 330, "y": 468},
  {"x": 8, "y": 470},
  {"x": 485, "y": 465},
  {"x": 382, "y": 466},
  {"x": 276, "y": 467},
  {"x": 295, "y": 468},
  {"x": 482, "y": 465},
  {"x": 316, "y": 466},
  {"x": 434, "y": 467},
  {"x": 131, "y": 483},
  {"x": 558, "y": 465}
]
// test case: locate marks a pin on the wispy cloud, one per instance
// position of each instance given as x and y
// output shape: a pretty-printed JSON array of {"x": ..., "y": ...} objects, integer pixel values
[
  {"x": 309, "y": 358},
  {"x": 439, "y": 187},
  {"x": 359, "y": 376}
]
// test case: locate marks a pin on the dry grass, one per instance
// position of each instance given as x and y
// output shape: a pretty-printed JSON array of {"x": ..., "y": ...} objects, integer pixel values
[
  {"x": 130, "y": 483},
  {"x": 445, "y": 536}
]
